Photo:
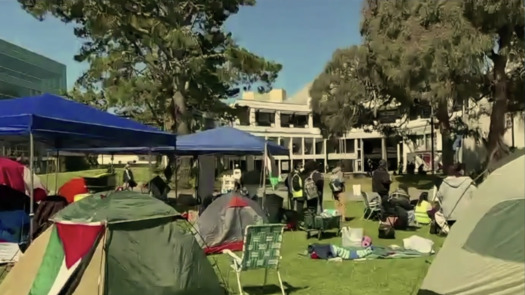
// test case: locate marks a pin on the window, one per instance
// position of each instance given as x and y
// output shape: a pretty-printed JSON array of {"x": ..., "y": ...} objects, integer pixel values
[
  {"x": 264, "y": 119},
  {"x": 499, "y": 233}
]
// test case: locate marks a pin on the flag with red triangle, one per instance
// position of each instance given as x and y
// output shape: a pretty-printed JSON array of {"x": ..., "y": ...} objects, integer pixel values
[{"x": 68, "y": 245}]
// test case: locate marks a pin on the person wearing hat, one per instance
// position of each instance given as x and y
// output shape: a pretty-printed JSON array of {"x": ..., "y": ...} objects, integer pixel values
[{"x": 129, "y": 179}]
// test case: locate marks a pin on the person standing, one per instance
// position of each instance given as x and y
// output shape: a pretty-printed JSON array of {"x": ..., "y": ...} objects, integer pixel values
[
  {"x": 129, "y": 179},
  {"x": 313, "y": 194},
  {"x": 381, "y": 180},
  {"x": 294, "y": 183},
  {"x": 337, "y": 185}
]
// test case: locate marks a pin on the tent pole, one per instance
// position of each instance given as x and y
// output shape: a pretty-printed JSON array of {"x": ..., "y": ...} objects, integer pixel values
[
  {"x": 176, "y": 170},
  {"x": 57, "y": 168},
  {"x": 150, "y": 167},
  {"x": 265, "y": 156},
  {"x": 32, "y": 188},
  {"x": 47, "y": 170}
]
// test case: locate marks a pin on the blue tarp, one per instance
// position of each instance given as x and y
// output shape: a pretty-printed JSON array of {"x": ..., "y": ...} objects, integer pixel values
[
  {"x": 221, "y": 140},
  {"x": 63, "y": 124}
]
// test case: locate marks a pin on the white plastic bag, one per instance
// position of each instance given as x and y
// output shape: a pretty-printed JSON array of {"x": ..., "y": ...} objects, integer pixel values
[
  {"x": 418, "y": 244},
  {"x": 352, "y": 237}
]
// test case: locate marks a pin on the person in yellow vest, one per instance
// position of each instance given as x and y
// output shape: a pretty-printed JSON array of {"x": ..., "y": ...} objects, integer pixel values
[
  {"x": 295, "y": 190},
  {"x": 422, "y": 208}
]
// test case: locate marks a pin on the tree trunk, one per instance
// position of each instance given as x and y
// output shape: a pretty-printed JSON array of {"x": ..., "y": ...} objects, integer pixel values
[
  {"x": 496, "y": 147},
  {"x": 447, "y": 152},
  {"x": 181, "y": 126}
]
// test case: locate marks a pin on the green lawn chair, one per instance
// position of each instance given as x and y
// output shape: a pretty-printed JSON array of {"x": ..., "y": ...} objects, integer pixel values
[{"x": 262, "y": 249}]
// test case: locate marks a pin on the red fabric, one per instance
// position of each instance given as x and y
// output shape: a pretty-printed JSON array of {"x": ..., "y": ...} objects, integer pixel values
[
  {"x": 70, "y": 189},
  {"x": 237, "y": 201},
  {"x": 12, "y": 174},
  {"x": 314, "y": 255},
  {"x": 77, "y": 240},
  {"x": 233, "y": 246},
  {"x": 291, "y": 226}
]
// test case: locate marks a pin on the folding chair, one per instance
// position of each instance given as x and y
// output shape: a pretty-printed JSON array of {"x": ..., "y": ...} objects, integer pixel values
[
  {"x": 372, "y": 202},
  {"x": 262, "y": 249}
]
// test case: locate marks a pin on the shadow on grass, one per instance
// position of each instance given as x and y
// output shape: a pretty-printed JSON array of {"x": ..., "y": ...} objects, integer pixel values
[
  {"x": 422, "y": 182},
  {"x": 271, "y": 289}
]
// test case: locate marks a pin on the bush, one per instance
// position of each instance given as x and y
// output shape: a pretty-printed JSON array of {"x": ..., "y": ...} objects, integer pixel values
[{"x": 76, "y": 163}]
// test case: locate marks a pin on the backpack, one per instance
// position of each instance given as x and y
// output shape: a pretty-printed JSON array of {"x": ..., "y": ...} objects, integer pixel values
[
  {"x": 310, "y": 188},
  {"x": 335, "y": 184}
]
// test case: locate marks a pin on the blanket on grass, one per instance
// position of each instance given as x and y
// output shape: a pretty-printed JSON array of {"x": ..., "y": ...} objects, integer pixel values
[{"x": 328, "y": 251}]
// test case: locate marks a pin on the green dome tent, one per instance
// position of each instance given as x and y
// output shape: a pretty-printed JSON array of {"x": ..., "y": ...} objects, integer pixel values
[
  {"x": 127, "y": 243},
  {"x": 484, "y": 253}
]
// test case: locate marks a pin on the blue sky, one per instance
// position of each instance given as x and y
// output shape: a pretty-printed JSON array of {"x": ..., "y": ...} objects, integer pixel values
[{"x": 299, "y": 34}]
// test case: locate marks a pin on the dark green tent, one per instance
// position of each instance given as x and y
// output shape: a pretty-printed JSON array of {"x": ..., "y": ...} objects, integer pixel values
[{"x": 126, "y": 243}]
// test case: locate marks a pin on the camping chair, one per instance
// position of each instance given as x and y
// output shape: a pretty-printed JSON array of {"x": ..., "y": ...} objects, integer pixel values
[
  {"x": 372, "y": 202},
  {"x": 262, "y": 249}
]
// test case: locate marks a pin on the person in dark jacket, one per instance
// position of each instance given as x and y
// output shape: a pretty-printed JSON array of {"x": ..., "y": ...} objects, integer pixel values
[
  {"x": 294, "y": 183},
  {"x": 381, "y": 180},
  {"x": 129, "y": 179},
  {"x": 311, "y": 170}
]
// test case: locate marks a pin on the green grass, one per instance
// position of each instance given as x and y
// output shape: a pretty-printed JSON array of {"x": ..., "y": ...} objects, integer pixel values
[{"x": 305, "y": 276}]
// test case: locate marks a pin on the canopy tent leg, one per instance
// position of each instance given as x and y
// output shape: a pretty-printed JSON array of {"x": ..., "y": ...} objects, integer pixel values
[
  {"x": 47, "y": 170},
  {"x": 265, "y": 157},
  {"x": 57, "y": 168},
  {"x": 150, "y": 174},
  {"x": 32, "y": 187}
]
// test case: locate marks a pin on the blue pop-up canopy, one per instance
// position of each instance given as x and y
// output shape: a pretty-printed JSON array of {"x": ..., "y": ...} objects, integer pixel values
[
  {"x": 64, "y": 124},
  {"x": 221, "y": 140},
  {"x": 226, "y": 140}
]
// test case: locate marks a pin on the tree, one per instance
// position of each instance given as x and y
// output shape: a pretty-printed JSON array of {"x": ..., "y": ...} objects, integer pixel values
[
  {"x": 339, "y": 94},
  {"x": 428, "y": 52},
  {"x": 503, "y": 21},
  {"x": 167, "y": 59}
]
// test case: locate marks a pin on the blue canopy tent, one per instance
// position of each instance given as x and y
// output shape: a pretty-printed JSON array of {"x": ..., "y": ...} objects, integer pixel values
[
  {"x": 228, "y": 141},
  {"x": 221, "y": 140},
  {"x": 65, "y": 124}
]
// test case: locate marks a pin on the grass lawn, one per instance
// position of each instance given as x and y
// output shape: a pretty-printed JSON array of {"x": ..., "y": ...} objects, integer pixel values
[
  {"x": 303, "y": 275},
  {"x": 306, "y": 276}
]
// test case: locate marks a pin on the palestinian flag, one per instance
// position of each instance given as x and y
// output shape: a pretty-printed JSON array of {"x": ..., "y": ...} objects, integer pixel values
[
  {"x": 68, "y": 245},
  {"x": 271, "y": 169}
]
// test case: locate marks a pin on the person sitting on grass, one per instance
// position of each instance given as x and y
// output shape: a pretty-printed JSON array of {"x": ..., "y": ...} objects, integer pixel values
[
  {"x": 439, "y": 220},
  {"x": 422, "y": 208},
  {"x": 402, "y": 207}
]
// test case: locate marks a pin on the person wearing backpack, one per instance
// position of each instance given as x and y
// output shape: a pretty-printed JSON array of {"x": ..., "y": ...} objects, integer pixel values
[
  {"x": 313, "y": 188},
  {"x": 294, "y": 182},
  {"x": 337, "y": 185}
]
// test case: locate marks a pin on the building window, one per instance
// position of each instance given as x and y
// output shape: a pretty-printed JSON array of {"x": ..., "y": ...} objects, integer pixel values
[{"x": 264, "y": 119}]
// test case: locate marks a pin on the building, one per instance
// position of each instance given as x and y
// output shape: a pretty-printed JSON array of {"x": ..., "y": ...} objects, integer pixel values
[
  {"x": 291, "y": 123},
  {"x": 25, "y": 73}
]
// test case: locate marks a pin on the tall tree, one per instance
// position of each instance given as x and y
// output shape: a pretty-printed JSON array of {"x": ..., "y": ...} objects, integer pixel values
[
  {"x": 430, "y": 53},
  {"x": 504, "y": 22},
  {"x": 167, "y": 58},
  {"x": 340, "y": 94}
]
